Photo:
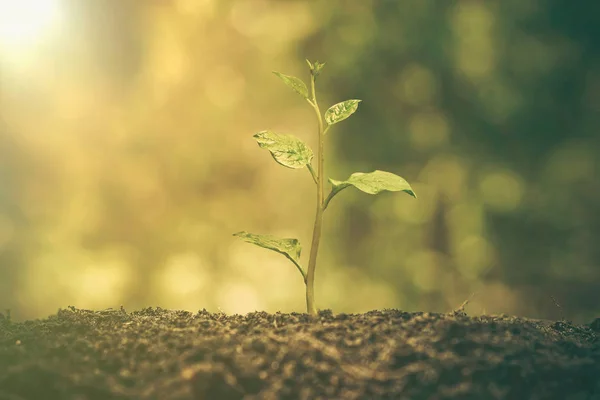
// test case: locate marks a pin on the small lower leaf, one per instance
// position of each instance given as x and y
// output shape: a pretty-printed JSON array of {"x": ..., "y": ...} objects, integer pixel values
[
  {"x": 288, "y": 247},
  {"x": 372, "y": 183},
  {"x": 287, "y": 150}
]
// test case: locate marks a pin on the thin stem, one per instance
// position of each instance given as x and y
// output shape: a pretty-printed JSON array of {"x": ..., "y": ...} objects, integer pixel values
[
  {"x": 298, "y": 266},
  {"x": 312, "y": 173},
  {"x": 312, "y": 262},
  {"x": 328, "y": 199}
]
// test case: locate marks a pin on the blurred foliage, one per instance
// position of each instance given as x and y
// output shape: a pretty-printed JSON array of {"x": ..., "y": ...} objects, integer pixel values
[{"x": 127, "y": 158}]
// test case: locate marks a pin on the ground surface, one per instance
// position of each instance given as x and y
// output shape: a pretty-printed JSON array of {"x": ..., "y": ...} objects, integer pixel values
[{"x": 161, "y": 354}]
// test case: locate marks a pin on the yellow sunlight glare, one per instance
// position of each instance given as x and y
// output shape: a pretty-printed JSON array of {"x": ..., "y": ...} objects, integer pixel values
[{"x": 23, "y": 23}]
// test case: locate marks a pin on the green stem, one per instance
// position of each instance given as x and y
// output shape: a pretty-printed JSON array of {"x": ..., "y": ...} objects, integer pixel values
[
  {"x": 312, "y": 262},
  {"x": 328, "y": 199},
  {"x": 312, "y": 173},
  {"x": 297, "y": 266}
]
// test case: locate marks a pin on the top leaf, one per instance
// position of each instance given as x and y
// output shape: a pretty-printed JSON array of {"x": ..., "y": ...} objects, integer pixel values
[
  {"x": 315, "y": 69},
  {"x": 340, "y": 111},
  {"x": 294, "y": 83},
  {"x": 287, "y": 150},
  {"x": 372, "y": 183}
]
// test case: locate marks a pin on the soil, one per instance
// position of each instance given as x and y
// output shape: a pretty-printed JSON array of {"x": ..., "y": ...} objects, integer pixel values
[{"x": 389, "y": 354}]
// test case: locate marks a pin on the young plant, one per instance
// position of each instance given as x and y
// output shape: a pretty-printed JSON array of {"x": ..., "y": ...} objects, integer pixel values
[{"x": 291, "y": 152}]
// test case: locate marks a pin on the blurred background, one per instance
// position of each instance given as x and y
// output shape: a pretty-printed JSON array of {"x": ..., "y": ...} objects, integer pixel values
[{"x": 127, "y": 159}]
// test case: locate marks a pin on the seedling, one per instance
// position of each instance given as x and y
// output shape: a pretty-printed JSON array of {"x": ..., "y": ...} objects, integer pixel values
[{"x": 291, "y": 152}]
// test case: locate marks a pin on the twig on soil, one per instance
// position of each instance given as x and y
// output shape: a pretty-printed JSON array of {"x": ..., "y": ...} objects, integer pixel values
[
  {"x": 562, "y": 314},
  {"x": 461, "y": 308}
]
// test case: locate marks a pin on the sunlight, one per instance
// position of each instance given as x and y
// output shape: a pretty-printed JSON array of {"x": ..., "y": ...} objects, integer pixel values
[{"x": 24, "y": 23}]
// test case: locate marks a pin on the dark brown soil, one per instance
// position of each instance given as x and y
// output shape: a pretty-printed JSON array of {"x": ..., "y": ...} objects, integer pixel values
[{"x": 162, "y": 354}]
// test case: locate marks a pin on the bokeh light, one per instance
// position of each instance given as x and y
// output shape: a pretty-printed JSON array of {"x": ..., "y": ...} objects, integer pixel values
[
  {"x": 25, "y": 23},
  {"x": 501, "y": 190}
]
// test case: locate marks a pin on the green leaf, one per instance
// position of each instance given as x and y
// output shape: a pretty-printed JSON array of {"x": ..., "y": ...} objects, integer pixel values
[
  {"x": 315, "y": 69},
  {"x": 294, "y": 83},
  {"x": 290, "y": 248},
  {"x": 319, "y": 66},
  {"x": 340, "y": 111},
  {"x": 287, "y": 150},
  {"x": 372, "y": 183}
]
